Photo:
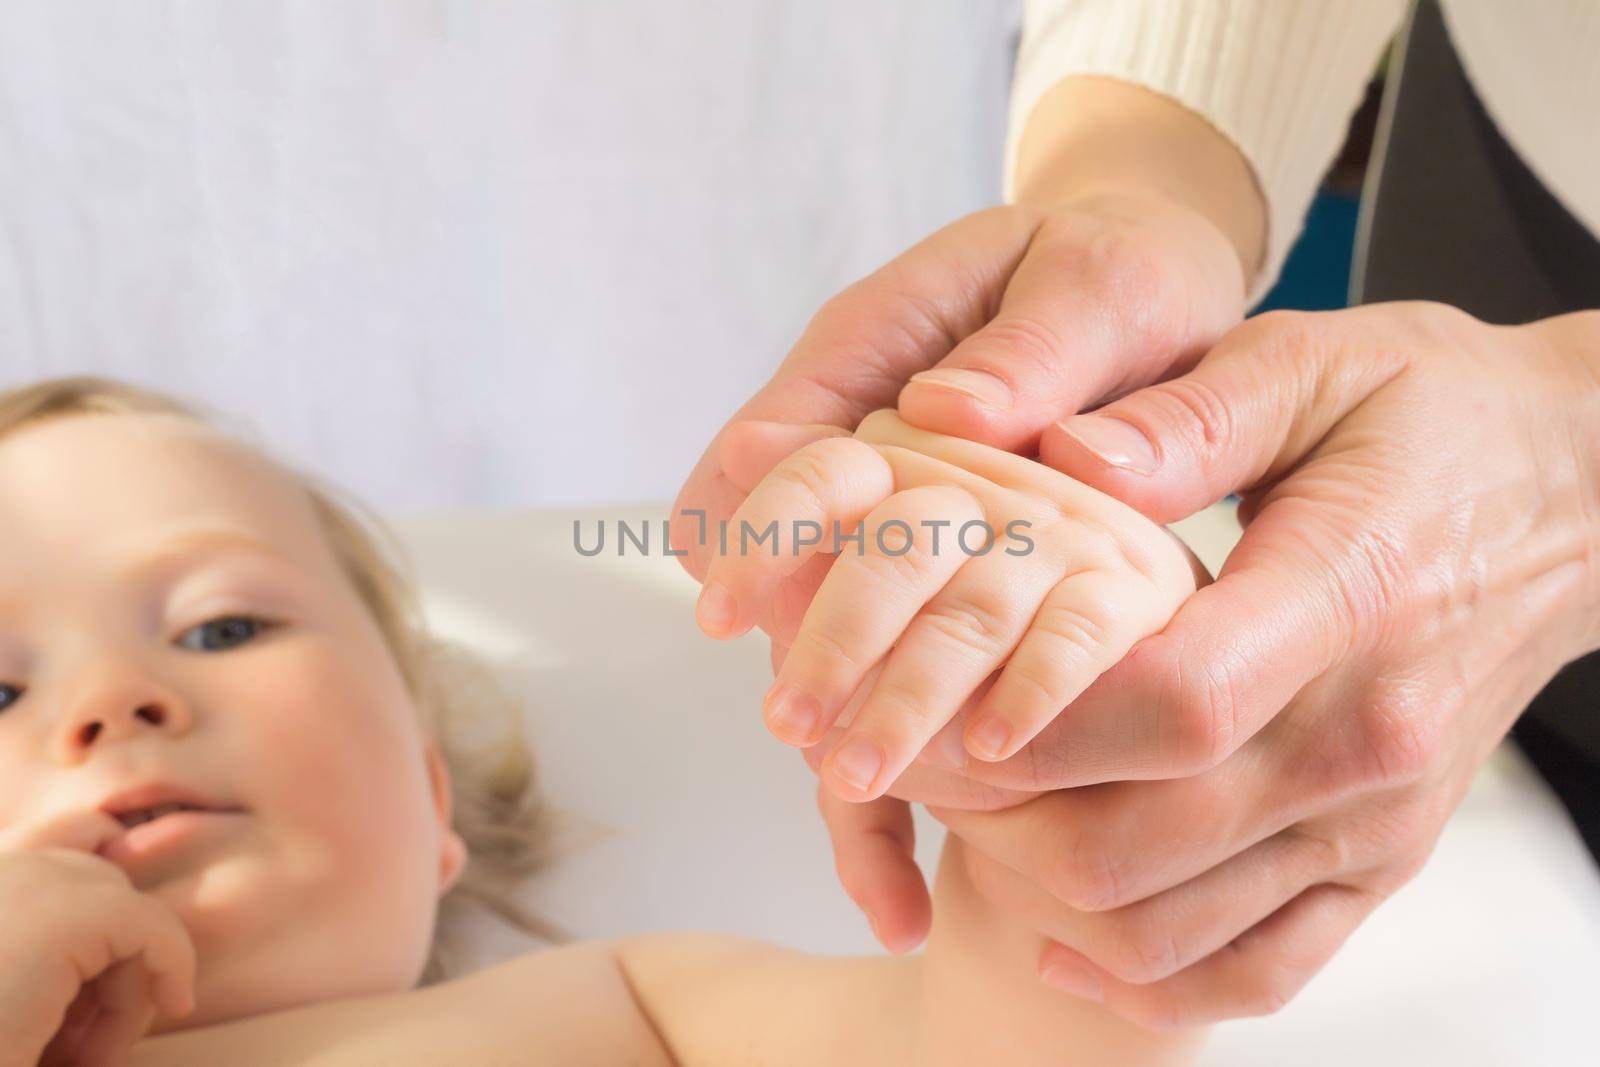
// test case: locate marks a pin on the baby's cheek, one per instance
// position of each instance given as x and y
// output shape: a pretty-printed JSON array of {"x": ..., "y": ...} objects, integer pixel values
[
  {"x": 335, "y": 744},
  {"x": 337, "y": 780}
]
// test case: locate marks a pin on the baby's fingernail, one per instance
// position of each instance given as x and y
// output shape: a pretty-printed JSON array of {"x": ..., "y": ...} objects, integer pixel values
[
  {"x": 1117, "y": 443},
  {"x": 716, "y": 610},
  {"x": 988, "y": 739},
  {"x": 791, "y": 714},
  {"x": 1078, "y": 981},
  {"x": 980, "y": 385},
  {"x": 856, "y": 763}
]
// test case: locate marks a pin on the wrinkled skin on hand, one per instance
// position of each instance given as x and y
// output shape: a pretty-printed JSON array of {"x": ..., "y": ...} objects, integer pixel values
[
  {"x": 1223, "y": 807},
  {"x": 1215, "y": 814}
]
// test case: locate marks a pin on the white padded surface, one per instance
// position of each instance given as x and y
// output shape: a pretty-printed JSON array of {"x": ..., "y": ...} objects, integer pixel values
[{"x": 653, "y": 730}]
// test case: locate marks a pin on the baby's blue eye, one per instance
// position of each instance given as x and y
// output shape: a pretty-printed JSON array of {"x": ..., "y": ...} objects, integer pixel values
[
  {"x": 9, "y": 695},
  {"x": 219, "y": 635}
]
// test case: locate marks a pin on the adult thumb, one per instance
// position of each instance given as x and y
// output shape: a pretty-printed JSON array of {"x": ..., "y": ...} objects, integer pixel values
[
  {"x": 1105, "y": 298},
  {"x": 1252, "y": 409}
]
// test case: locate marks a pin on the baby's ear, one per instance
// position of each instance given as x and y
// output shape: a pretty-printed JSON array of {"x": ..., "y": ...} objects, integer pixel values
[
  {"x": 452, "y": 850},
  {"x": 749, "y": 449}
]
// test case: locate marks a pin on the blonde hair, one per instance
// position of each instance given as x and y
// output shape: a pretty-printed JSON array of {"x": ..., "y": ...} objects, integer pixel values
[{"x": 496, "y": 805}]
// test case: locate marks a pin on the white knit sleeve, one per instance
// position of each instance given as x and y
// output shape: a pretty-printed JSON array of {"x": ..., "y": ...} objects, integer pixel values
[{"x": 1279, "y": 78}]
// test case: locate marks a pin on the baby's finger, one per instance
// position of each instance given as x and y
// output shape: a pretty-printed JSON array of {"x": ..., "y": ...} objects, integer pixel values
[
  {"x": 80, "y": 830},
  {"x": 1084, "y": 626},
  {"x": 947, "y": 651},
  {"x": 875, "y": 588},
  {"x": 749, "y": 450},
  {"x": 145, "y": 930},
  {"x": 874, "y": 852},
  {"x": 785, "y": 521},
  {"x": 124, "y": 1011}
]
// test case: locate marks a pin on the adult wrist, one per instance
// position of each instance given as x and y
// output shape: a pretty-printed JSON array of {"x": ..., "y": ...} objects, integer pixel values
[
  {"x": 1571, "y": 345},
  {"x": 1093, "y": 137}
]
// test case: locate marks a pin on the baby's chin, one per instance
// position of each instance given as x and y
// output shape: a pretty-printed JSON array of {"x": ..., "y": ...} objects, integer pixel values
[{"x": 263, "y": 944}]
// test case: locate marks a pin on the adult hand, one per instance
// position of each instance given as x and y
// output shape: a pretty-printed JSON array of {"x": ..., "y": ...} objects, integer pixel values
[
  {"x": 1419, "y": 558},
  {"x": 1000, "y": 323},
  {"x": 1123, "y": 260}
]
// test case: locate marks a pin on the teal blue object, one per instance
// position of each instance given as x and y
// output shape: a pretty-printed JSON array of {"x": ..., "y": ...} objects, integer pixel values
[{"x": 1316, "y": 276}]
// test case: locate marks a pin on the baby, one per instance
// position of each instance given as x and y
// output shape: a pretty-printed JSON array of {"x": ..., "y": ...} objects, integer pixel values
[{"x": 227, "y": 804}]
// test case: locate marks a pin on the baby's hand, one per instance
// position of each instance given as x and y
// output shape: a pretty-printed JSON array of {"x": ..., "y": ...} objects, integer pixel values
[
  {"x": 89, "y": 960},
  {"x": 916, "y": 615}
]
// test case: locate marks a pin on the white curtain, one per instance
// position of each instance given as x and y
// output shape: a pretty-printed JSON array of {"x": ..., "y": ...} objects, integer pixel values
[{"x": 473, "y": 254}]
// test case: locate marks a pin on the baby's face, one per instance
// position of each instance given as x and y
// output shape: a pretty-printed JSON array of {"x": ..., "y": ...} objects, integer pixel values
[{"x": 314, "y": 869}]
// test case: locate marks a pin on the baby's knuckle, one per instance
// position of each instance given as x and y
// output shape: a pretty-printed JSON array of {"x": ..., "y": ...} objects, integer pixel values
[
  {"x": 1021, "y": 674},
  {"x": 967, "y": 621},
  {"x": 885, "y": 566},
  {"x": 816, "y": 467},
  {"x": 897, "y": 704},
  {"x": 821, "y": 645},
  {"x": 1086, "y": 629}
]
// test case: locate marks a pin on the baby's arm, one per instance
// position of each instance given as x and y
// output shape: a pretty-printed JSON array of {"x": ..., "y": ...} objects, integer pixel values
[{"x": 982, "y": 1000}]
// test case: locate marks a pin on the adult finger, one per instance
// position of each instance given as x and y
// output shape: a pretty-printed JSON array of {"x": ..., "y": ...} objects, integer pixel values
[
  {"x": 1256, "y": 974},
  {"x": 749, "y": 449},
  {"x": 1110, "y": 295},
  {"x": 1154, "y": 938},
  {"x": 1257, "y": 403},
  {"x": 874, "y": 853},
  {"x": 123, "y": 1012},
  {"x": 1295, "y": 596},
  {"x": 863, "y": 344},
  {"x": 1100, "y": 847}
]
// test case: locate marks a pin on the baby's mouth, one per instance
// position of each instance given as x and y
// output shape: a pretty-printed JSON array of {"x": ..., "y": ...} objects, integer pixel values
[
  {"x": 160, "y": 824},
  {"x": 137, "y": 816},
  {"x": 135, "y": 807}
]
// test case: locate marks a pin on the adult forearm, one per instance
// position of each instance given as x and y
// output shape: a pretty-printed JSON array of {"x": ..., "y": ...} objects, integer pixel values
[{"x": 1093, "y": 136}]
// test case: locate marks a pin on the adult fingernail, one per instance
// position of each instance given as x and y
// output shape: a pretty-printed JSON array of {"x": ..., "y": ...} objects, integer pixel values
[
  {"x": 857, "y": 763},
  {"x": 1078, "y": 981},
  {"x": 715, "y": 610},
  {"x": 791, "y": 714},
  {"x": 980, "y": 385},
  {"x": 1118, "y": 443},
  {"x": 988, "y": 739}
]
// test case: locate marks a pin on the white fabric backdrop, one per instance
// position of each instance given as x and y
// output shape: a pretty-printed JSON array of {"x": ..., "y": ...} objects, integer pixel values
[{"x": 467, "y": 253}]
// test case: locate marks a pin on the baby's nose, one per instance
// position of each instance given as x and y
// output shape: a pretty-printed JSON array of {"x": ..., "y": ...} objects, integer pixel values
[{"x": 115, "y": 707}]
